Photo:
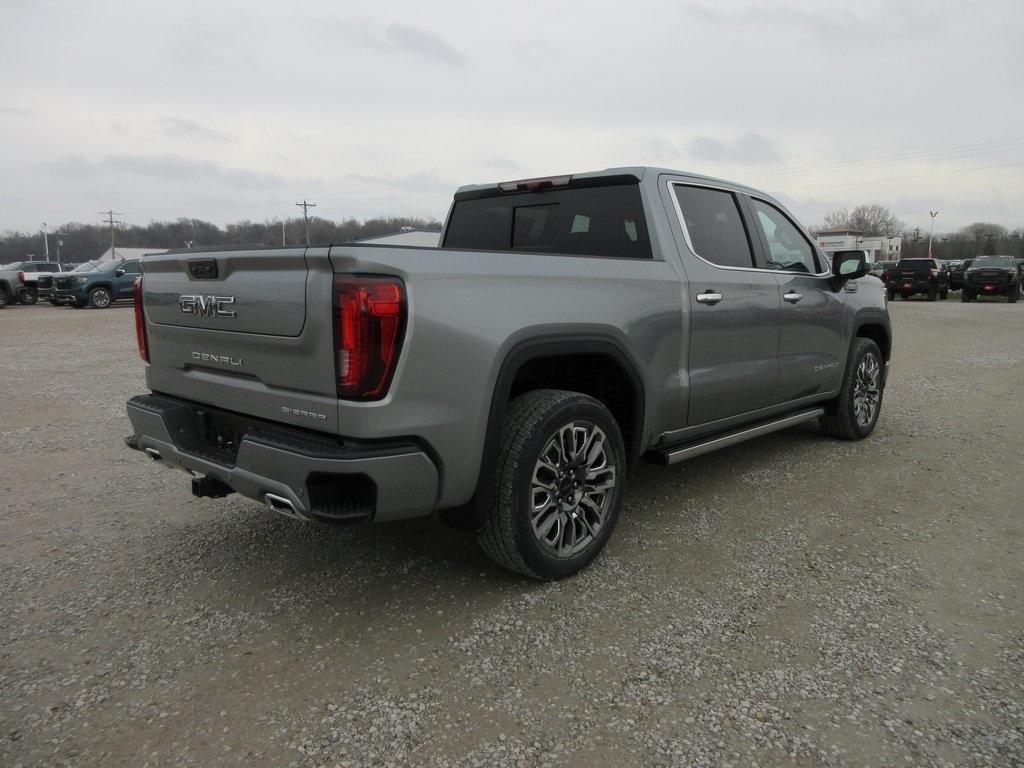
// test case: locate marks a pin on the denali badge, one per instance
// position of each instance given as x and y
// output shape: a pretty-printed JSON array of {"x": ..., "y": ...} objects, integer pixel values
[
  {"x": 207, "y": 306},
  {"x": 206, "y": 357}
]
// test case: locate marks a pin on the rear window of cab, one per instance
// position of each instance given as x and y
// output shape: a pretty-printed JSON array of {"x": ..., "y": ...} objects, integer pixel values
[{"x": 585, "y": 221}]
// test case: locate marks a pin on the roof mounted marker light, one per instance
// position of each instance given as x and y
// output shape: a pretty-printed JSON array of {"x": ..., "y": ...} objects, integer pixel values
[{"x": 533, "y": 185}]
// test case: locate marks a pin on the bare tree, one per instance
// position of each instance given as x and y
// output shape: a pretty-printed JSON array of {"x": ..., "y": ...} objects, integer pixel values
[{"x": 871, "y": 220}]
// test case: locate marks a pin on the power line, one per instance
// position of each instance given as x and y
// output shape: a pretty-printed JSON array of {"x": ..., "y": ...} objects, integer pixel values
[
  {"x": 305, "y": 205},
  {"x": 916, "y": 176},
  {"x": 942, "y": 153}
]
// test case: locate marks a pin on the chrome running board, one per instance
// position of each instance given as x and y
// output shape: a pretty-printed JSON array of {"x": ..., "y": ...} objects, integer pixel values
[{"x": 673, "y": 455}]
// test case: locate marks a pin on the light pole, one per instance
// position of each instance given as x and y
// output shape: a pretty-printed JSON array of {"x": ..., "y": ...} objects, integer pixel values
[
  {"x": 46, "y": 242},
  {"x": 931, "y": 230}
]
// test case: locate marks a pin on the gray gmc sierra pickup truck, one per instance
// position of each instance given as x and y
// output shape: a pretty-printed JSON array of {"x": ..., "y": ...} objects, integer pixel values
[{"x": 566, "y": 328}]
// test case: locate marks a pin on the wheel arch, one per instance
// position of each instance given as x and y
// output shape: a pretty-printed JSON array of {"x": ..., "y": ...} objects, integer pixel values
[{"x": 525, "y": 366}]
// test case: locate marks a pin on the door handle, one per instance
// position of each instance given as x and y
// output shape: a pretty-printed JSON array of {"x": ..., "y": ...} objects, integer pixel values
[
  {"x": 792, "y": 297},
  {"x": 709, "y": 297}
]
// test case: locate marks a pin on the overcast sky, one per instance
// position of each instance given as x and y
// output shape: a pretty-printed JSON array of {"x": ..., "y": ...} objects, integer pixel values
[{"x": 230, "y": 110}]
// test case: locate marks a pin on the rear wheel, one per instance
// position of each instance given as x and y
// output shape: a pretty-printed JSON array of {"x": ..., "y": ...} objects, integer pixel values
[
  {"x": 29, "y": 296},
  {"x": 890, "y": 294},
  {"x": 933, "y": 294},
  {"x": 965, "y": 295},
  {"x": 854, "y": 413},
  {"x": 557, "y": 485},
  {"x": 100, "y": 298},
  {"x": 1013, "y": 295},
  {"x": 4, "y": 298}
]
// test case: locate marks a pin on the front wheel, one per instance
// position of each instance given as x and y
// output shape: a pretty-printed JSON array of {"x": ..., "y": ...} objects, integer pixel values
[
  {"x": 100, "y": 298},
  {"x": 1013, "y": 295},
  {"x": 29, "y": 296},
  {"x": 557, "y": 484},
  {"x": 854, "y": 413}
]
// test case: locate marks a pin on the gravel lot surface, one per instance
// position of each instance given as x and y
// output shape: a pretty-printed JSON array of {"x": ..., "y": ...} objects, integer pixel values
[{"x": 791, "y": 601}]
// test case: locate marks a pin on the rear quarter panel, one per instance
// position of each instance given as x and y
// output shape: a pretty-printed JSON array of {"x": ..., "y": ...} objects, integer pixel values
[{"x": 469, "y": 309}]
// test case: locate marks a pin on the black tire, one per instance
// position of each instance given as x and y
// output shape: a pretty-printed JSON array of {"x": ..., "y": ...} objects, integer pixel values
[
  {"x": 1013, "y": 295},
  {"x": 932, "y": 294},
  {"x": 840, "y": 419},
  {"x": 890, "y": 294},
  {"x": 965, "y": 295},
  {"x": 944, "y": 295},
  {"x": 29, "y": 296},
  {"x": 531, "y": 426},
  {"x": 4, "y": 297},
  {"x": 100, "y": 298}
]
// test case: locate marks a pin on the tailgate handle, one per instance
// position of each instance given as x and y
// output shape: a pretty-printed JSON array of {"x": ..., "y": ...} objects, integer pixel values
[{"x": 203, "y": 269}]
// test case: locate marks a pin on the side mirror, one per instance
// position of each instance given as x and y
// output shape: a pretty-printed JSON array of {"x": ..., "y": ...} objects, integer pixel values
[
  {"x": 849, "y": 265},
  {"x": 119, "y": 273}
]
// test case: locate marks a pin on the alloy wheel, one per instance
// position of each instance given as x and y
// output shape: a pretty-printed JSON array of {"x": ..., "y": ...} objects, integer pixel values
[
  {"x": 866, "y": 390},
  {"x": 571, "y": 488}
]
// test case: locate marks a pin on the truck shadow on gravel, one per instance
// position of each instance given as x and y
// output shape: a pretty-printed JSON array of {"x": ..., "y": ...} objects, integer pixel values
[{"x": 238, "y": 545}]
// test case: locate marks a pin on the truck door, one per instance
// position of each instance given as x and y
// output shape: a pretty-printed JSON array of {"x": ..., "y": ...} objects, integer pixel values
[
  {"x": 734, "y": 307},
  {"x": 812, "y": 346}
]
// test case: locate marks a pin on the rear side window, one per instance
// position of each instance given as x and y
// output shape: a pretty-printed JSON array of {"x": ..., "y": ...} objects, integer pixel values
[
  {"x": 715, "y": 227},
  {"x": 588, "y": 221}
]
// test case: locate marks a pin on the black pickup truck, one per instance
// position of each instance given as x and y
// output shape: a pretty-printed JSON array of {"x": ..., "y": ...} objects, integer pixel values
[
  {"x": 992, "y": 276},
  {"x": 911, "y": 276}
]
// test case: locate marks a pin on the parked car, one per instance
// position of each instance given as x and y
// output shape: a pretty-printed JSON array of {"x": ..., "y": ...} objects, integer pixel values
[
  {"x": 12, "y": 283},
  {"x": 25, "y": 292},
  {"x": 565, "y": 329},
  {"x": 992, "y": 276},
  {"x": 956, "y": 274},
  {"x": 109, "y": 282},
  {"x": 913, "y": 276},
  {"x": 879, "y": 268},
  {"x": 45, "y": 284}
]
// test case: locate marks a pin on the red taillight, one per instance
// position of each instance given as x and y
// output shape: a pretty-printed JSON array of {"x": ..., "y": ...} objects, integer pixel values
[
  {"x": 21, "y": 277},
  {"x": 140, "y": 322},
  {"x": 370, "y": 315}
]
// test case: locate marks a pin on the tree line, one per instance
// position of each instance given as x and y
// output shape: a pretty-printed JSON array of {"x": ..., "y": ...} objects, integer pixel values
[
  {"x": 82, "y": 242},
  {"x": 979, "y": 238}
]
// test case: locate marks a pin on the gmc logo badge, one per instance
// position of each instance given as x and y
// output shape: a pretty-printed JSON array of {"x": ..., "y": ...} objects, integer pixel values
[{"x": 207, "y": 306}]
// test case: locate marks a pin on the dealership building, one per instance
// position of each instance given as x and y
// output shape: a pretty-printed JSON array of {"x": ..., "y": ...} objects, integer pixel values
[{"x": 846, "y": 239}]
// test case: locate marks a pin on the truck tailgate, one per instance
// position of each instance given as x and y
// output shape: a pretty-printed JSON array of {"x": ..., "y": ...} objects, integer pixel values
[{"x": 249, "y": 331}]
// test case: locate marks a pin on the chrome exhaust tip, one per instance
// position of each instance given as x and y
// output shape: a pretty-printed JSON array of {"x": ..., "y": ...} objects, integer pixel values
[{"x": 283, "y": 505}]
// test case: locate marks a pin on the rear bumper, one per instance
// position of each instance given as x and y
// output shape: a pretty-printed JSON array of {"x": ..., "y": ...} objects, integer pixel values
[{"x": 302, "y": 474}]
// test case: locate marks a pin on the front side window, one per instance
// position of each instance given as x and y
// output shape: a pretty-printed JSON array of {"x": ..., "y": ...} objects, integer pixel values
[
  {"x": 788, "y": 249},
  {"x": 131, "y": 268},
  {"x": 715, "y": 226}
]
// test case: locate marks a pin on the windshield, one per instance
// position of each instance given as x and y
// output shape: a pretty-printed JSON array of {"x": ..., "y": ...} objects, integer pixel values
[
  {"x": 921, "y": 264},
  {"x": 12, "y": 265},
  {"x": 89, "y": 266},
  {"x": 993, "y": 262}
]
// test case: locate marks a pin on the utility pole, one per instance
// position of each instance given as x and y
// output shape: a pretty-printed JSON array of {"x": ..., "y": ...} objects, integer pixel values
[
  {"x": 46, "y": 242},
  {"x": 917, "y": 236},
  {"x": 113, "y": 223},
  {"x": 305, "y": 206},
  {"x": 931, "y": 230},
  {"x": 283, "y": 241}
]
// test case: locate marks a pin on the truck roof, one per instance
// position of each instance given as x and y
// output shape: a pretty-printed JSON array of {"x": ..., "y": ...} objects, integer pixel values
[{"x": 638, "y": 172}]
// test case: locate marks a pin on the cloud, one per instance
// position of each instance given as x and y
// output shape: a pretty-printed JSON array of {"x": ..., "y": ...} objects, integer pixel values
[
  {"x": 406, "y": 38},
  {"x": 750, "y": 148},
  {"x": 163, "y": 167},
  {"x": 16, "y": 112},
  {"x": 412, "y": 182},
  {"x": 183, "y": 127},
  {"x": 893, "y": 20}
]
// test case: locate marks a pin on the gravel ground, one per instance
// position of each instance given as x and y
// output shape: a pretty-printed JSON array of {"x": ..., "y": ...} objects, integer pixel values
[{"x": 791, "y": 601}]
